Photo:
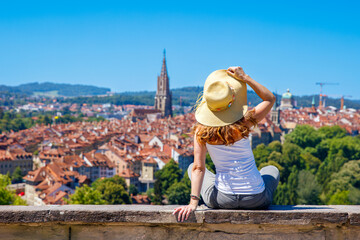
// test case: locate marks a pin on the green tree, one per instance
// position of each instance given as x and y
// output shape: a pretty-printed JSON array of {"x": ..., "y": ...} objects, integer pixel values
[
  {"x": 168, "y": 175},
  {"x": 312, "y": 163},
  {"x": 17, "y": 175},
  {"x": 285, "y": 193},
  {"x": 86, "y": 195},
  {"x": 179, "y": 192},
  {"x": 115, "y": 179},
  {"x": 18, "y": 201},
  {"x": 261, "y": 154},
  {"x": 340, "y": 198},
  {"x": 291, "y": 158},
  {"x": 113, "y": 190},
  {"x": 348, "y": 147},
  {"x": 339, "y": 152},
  {"x": 4, "y": 180},
  {"x": 133, "y": 190},
  {"x": 8, "y": 197},
  {"x": 157, "y": 196},
  {"x": 332, "y": 132},
  {"x": 354, "y": 195},
  {"x": 292, "y": 184},
  {"x": 275, "y": 146},
  {"x": 150, "y": 194},
  {"x": 303, "y": 136},
  {"x": 346, "y": 180},
  {"x": 322, "y": 149},
  {"x": 113, "y": 193},
  {"x": 275, "y": 157},
  {"x": 280, "y": 195},
  {"x": 308, "y": 190}
]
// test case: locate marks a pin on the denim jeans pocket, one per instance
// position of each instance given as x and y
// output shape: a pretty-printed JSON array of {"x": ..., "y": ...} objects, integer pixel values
[
  {"x": 255, "y": 201},
  {"x": 227, "y": 201}
]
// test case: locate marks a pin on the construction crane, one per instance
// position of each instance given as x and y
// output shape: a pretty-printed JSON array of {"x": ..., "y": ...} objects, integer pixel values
[{"x": 321, "y": 86}]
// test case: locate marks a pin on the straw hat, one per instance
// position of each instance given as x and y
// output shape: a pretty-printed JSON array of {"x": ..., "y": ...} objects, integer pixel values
[{"x": 224, "y": 100}]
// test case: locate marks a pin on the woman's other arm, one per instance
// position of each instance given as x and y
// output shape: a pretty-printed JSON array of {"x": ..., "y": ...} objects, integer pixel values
[
  {"x": 197, "y": 176},
  {"x": 263, "y": 108}
]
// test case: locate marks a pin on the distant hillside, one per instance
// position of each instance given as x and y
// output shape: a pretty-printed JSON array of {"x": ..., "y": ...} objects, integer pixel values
[
  {"x": 88, "y": 94},
  {"x": 190, "y": 94},
  {"x": 55, "y": 89}
]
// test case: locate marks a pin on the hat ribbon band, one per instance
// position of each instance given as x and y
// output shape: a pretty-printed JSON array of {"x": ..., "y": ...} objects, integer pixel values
[{"x": 229, "y": 104}]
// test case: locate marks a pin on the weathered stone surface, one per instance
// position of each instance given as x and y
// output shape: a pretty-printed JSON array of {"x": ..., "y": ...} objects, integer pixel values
[
  {"x": 293, "y": 215},
  {"x": 157, "y": 222},
  {"x": 31, "y": 231},
  {"x": 284, "y": 215}
]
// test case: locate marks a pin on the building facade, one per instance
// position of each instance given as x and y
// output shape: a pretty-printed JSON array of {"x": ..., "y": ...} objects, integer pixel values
[
  {"x": 287, "y": 101},
  {"x": 12, "y": 158}
]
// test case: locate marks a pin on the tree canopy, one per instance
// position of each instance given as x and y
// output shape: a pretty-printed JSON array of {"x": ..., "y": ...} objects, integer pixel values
[
  {"x": 317, "y": 166},
  {"x": 8, "y": 197},
  {"x": 102, "y": 191}
]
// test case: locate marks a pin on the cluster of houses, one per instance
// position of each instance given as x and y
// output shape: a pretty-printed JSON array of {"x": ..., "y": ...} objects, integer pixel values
[{"x": 58, "y": 158}]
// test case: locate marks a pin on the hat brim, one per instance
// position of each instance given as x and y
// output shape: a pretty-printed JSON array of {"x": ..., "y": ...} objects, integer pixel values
[{"x": 229, "y": 115}]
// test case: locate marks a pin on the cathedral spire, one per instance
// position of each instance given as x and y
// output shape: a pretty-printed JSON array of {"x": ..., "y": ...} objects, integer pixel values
[
  {"x": 164, "y": 75},
  {"x": 163, "y": 94}
]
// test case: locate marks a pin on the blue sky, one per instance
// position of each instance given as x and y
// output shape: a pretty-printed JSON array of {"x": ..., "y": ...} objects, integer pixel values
[{"x": 116, "y": 44}]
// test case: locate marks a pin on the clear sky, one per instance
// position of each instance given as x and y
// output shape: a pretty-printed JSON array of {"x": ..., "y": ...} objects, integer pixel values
[{"x": 119, "y": 44}]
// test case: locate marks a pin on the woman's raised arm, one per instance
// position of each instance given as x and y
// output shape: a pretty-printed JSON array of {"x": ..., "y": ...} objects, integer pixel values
[{"x": 263, "y": 108}]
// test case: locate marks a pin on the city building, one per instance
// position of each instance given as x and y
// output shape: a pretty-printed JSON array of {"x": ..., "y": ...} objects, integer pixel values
[
  {"x": 51, "y": 184},
  {"x": 287, "y": 101},
  {"x": 15, "y": 157}
]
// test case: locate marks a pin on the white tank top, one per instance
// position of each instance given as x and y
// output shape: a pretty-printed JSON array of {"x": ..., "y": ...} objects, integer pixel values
[{"x": 236, "y": 171}]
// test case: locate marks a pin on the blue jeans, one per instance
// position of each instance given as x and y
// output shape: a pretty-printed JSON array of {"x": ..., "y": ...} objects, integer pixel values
[{"x": 213, "y": 198}]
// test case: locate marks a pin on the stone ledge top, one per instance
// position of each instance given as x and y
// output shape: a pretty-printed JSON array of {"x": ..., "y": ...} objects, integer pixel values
[{"x": 152, "y": 214}]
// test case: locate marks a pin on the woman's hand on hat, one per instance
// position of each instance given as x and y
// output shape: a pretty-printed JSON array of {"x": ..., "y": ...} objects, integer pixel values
[{"x": 237, "y": 73}]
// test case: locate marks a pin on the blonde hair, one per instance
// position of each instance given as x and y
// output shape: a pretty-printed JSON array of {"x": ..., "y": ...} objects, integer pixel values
[{"x": 226, "y": 135}]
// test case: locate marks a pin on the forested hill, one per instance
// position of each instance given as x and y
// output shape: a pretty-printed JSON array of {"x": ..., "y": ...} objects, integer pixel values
[
  {"x": 55, "y": 89},
  {"x": 190, "y": 94},
  {"x": 187, "y": 95}
]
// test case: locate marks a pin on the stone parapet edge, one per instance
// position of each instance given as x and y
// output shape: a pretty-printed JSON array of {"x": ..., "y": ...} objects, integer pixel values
[{"x": 87, "y": 214}]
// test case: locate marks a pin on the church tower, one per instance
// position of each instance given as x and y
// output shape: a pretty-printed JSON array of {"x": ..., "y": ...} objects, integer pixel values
[
  {"x": 163, "y": 94},
  {"x": 275, "y": 114}
]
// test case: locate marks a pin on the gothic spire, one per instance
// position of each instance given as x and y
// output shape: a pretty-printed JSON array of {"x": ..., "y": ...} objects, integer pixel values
[
  {"x": 163, "y": 93},
  {"x": 164, "y": 75}
]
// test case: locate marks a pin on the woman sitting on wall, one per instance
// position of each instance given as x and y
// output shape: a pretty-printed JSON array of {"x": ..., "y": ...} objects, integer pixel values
[{"x": 222, "y": 128}]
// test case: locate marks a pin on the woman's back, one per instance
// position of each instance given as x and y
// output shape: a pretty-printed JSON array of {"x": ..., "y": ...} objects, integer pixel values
[
  {"x": 236, "y": 171},
  {"x": 223, "y": 117}
]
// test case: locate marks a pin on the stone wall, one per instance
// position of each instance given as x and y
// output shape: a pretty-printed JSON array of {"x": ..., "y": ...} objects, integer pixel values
[{"x": 157, "y": 222}]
